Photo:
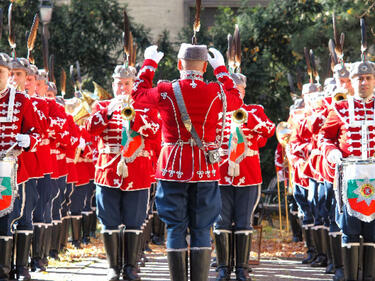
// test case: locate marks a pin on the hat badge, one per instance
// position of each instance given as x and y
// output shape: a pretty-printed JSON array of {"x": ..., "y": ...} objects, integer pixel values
[{"x": 363, "y": 68}]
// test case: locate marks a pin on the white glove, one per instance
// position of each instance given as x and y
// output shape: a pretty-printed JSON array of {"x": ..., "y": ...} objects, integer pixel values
[
  {"x": 334, "y": 156},
  {"x": 23, "y": 140},
  {"x": 153, "y": 54},
  {"x": 114, "y": 105},
  {"x": 217, "y": 60},
  {"x": 82, "y": 144}
]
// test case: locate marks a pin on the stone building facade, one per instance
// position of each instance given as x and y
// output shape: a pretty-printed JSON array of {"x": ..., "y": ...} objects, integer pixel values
[{"x": 173, "y": 15}]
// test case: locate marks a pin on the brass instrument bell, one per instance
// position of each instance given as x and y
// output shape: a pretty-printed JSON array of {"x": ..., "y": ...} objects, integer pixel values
[
  {"x": 128, "y": 112},
  {"x": 283, "y": 133},
  {"x": 240, "y": 116},
  {"x": 340, "y": 95}
]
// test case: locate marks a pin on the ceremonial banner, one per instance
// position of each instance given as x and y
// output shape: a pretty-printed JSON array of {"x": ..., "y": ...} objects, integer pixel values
[
  {"x": 132, "y": 143},
  {"x": 237, "y": 151},
  {"x": 359, "y": 189},
  {"x": 8, "y": 186}
]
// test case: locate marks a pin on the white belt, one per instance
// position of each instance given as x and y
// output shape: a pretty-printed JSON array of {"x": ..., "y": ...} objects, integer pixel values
[
  {"x": 189, "y": 141},
  {"x": 250, "y": 152},
  {"x": 117, "y": 150},
  {"x": 110, "y": 150},
  {"x": 55, "y": 151}
]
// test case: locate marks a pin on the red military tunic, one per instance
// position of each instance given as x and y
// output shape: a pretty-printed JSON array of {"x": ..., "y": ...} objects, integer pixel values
[
  {"x": 180, "y": 159},
  {"x": 279, "y": 158},
  {"x": 84, "y": 165},
  {"x": 325, "y": 170},
  {"x": 282, "y": 168},
  {"x": 17, "y": 119},
  {"x": 35, "y": 168},
  {"x": 312, "y": 168},
  {"x": 63, "y": 135},
  {"x": 256, "y": 131},
  {"x": 109, "y": 131},
  {"x": 298, "y": 149},
  {"x": 350, "y": 127},
  {"x": 43, "y": 152}
]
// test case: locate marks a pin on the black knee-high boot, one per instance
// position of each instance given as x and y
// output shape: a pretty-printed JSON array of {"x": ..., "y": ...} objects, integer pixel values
[
  {"x": 76, "y": 232},
  {"x": 243, "y": 247},
  {"x": 199, "y": 264},
  {"x": 86, "y": 226},
  {"x": 350, "y": 256},
  {"x": 337, "y": 258},
  {"x": 111, "y": 245},
  {"x": 55, "y": 241},
  {"x": 22, "y": 256},
  {"x": 177, "y": 262},
  {"x": 37, "y": 249},
  {"x": 368, "y": 263},
  {"x": 223, "y": 257},
  {"x": 311, "y": 252},
  {"x": 321, "y": 244},
  {"x": 131, "y": 244},
  {"x": 6, "y": 246}
]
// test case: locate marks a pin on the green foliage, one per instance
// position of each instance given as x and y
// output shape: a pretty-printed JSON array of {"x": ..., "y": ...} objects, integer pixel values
[{"x": 88, "y": 31}]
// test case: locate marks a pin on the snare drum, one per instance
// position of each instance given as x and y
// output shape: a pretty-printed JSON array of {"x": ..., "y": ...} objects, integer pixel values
[{"x": 8, "y": 184}]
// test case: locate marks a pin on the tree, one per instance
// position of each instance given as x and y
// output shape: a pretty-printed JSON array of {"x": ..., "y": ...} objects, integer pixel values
[{"x": 88, "y": 31}]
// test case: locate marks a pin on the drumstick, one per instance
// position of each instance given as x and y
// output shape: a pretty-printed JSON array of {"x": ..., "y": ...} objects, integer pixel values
[
  {"x": 11, "y": 148},
  {"x": 15, "y": 144}
]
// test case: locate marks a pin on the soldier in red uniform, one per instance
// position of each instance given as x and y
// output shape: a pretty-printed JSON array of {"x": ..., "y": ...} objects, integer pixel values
[
  {"x": 123, "y": 171},
  {"x": 328, "y": 209},
  {"x": 21, "y": 70},
  {"x": 239, "y": 185},
  {"x": 298, "y": 153},
  {"x": 188, "y": 195},
  {"x": 19, "y": 126},
  {"x": 347, "y": 138}
]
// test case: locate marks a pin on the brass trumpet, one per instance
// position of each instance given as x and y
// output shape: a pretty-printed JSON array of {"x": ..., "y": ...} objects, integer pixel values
[
  {"x": 128, "y": 112},
  {"x": 283, "y": 133},
  {"x": 240, "y": 116},
  {"x": 339, "y": 96}
]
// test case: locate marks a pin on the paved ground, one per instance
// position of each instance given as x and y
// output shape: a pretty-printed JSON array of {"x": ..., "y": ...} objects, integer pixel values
[{"x": 156, "y": 269}]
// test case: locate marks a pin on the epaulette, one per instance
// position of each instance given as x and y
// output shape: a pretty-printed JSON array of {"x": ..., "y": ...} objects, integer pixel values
[{"x": 166, "y": 81}]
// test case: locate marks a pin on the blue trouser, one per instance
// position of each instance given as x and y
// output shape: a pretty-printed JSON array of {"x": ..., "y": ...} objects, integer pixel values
[
  {"x": 316, "y": 198},
  {"x": 44, "y": 190},
  {"x": 88, "y": 207},
  {"x": 7, "y": 221},
  {"x": 54, "y": 193},
  {"x": 79, "y": 199},
  {"x": 115, "y": 207},
  {"x": 353, "y": 227},
  {"x": 66, "y": 200},
  {"x": 188, "y": 205},
  {"x": 25, "y": 223},
  {"x": 58, "y": 200},
  {"x": 300, "y": 194},
  {"x": 331, "y": 208},
  {"x": 238, "y": 206}
]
